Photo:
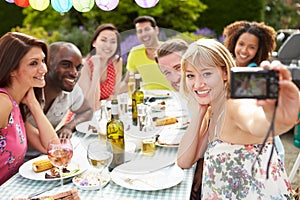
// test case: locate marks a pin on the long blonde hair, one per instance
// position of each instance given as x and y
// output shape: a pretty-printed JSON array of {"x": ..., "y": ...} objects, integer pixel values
[{"x": 202, "y": 53}]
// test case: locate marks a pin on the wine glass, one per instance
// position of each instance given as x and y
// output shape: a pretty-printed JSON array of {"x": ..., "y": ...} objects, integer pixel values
[
  {"x": 100, "y": 155},
  {"x": 60, "y": 152}
]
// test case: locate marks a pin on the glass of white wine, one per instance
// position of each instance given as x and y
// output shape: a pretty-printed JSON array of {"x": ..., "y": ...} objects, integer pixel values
[{"x": 100, "y": 155}]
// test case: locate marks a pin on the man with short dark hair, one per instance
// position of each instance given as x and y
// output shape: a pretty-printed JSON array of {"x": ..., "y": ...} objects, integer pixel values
[
  {"x": 62, "y": 92},
  {"x": 141, "y": 58}
]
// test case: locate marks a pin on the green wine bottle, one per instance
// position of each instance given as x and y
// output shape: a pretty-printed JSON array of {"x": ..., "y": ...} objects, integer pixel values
[
  {"x": 115, "y": 134},
  {"x": 137, "y": 98}
]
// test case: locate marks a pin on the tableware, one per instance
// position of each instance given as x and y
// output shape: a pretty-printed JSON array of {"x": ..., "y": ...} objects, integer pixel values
[
  {"x": 89, "y": 180},
  {"x": 136, "y": 136},
  {"x": 158, "y": 94},
  {"x": 146, "y": 165},
  {"x": 47, "y": 189},
  {"x": 170, "y": 137},
  {"x": 26, "y": 170},
  {"x": 88, "y": 127},
  {"x": 100, "y": 155},
  {"x": 157, "y": 180},
  {"x": 130, "y": 147},
  {"x": 167, "y": 145},
  {"x": 148, "y": 146},
  {"x": 141, "y": 108},
  {"x": 60, "y": 152}
]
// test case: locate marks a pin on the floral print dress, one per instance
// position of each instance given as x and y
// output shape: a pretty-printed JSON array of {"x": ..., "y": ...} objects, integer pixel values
[
  {"x": 228, "y": 173},
  {"x": 13, "y": 143}
]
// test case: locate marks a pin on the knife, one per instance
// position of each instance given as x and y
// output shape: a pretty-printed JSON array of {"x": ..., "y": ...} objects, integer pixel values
[{"x": 48, "y": 189}]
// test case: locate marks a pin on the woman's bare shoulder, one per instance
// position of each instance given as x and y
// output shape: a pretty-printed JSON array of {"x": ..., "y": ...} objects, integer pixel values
[{"x": 5, "y": 109}]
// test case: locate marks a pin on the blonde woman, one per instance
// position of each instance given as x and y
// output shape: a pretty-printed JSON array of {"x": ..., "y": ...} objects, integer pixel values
[{"x": 230, "y": 132}]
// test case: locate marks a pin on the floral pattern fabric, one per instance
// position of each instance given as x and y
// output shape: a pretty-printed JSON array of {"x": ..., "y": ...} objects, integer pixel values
[
  {"x": 228, "y": 173},
  {"x": 13, "y": 143}
]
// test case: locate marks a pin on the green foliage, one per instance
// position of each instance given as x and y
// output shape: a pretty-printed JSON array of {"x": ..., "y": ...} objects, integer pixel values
[
  {"x": 220, "y": 13},
  {"x": 50, "y": 19},
  {"x": 163, "y": 12},
  {"x": 38, "y": 32},
  {"x": 78, "y": 36},
  {"x": 10, "y": 15},
  {"x": 281, "y": 15}
]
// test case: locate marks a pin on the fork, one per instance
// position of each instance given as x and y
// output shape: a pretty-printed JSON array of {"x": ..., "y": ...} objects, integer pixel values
[{"x": 131, "y": 180}]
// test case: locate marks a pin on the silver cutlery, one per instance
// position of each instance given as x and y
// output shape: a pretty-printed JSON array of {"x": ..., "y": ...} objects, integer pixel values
[{"x": 47, "y": 189}]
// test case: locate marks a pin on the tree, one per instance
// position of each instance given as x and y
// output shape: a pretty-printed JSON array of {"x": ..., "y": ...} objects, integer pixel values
[
  {"x": 219, "y": 14},
  {"x": 10, "y": 16},
  {"x": 122, "y": 16}
]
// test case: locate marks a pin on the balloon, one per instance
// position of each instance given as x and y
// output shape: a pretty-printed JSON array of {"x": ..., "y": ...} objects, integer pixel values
[
  {"x": 39, "y": 4},
  {"x": 83, "y": 5},
  {"x": 107, "y": 5},
  {"x": 22, "y": 3},
  {"x": 61, "y": 5},
  {"x": 146, "y": 3}
]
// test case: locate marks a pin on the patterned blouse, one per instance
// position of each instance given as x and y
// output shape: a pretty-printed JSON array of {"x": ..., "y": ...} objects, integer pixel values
[
  {"x": 228, "y": 173},
  {"x": 108, "y": 86},
  {"x": 13, "y": 143}
]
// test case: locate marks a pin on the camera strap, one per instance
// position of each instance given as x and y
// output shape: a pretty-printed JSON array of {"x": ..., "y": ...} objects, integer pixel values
[{"x": 271, "y": 130}]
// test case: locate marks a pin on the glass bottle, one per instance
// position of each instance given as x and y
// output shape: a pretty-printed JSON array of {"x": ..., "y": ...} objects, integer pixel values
[
  {"x": 115, "y": 134},
  {"x": 148, "y": 125},
  {"x": 103, "y": 120},
  {"x": 131, "y": 83},
  {"x": 137, "y": 98}
]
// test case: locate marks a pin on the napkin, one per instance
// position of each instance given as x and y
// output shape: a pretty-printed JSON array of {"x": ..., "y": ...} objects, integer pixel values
[
  {"x": 146, "y": 165},
  {"x": 67, "y": 195}
]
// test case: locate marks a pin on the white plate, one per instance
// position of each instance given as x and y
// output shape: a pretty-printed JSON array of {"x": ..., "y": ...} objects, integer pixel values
[
  {"x": 88, "y": 180},
  {"x": 84, "y": 127},
  {"x": 159, "y": 94},
  {"x": 158, "y": 180},
  {"x": 167, "y": 145},
  {"x": 170, "y": 137},
  {"x": 26, "y": 170}
]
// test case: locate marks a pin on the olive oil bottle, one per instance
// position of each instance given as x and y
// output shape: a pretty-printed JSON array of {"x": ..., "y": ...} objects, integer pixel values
[
  {"x": 115, "y": 134},
  {"x": 137, "y": 98}
]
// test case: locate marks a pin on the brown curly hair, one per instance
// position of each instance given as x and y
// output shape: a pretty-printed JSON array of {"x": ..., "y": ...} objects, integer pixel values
[{"x": 265, "y": 34}]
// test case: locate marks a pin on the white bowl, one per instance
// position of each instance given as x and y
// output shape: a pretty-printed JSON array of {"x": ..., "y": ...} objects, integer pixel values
[{"x": 89, "y": 180}]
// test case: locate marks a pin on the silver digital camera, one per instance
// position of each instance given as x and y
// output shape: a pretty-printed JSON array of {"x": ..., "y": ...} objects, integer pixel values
[{"x": 254, "y": 83}]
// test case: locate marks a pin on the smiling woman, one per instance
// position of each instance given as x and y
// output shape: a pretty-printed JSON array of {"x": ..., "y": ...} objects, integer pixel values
[
  {"x": 22, "y": 67},
  {"x": 249, "y": 42},
  {"x": 103, "y": 66}
]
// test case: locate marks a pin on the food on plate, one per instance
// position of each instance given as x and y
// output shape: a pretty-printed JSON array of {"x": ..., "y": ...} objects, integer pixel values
[
  {"x": 92, "y": 128},
  {"x": 41, "y": 165},
  {"x": 54, "y": 172},
  {"x": 166, "y": 121},
  {"x": 70, "y": 194},
  {"x": 162, "y": 103}
]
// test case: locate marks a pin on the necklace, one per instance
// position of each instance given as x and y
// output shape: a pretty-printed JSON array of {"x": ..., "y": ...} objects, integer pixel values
[{"x": 216, "y": 125}]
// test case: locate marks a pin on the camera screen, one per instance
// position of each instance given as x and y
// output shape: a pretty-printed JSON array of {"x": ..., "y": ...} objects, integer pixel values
[{"x": 249, "y": 85}]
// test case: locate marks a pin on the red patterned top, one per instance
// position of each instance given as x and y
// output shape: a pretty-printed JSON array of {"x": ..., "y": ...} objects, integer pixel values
[{"x": 108, "y": 86}]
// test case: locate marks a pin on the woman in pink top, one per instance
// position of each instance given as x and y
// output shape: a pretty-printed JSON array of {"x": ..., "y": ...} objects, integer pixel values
[
  {"x": 102, "y": 71},
  {"x": 22, "y": 67}
]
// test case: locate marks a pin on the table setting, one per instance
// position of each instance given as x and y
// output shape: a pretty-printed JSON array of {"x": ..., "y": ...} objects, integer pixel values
[{"x": 141, "y": 176}]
